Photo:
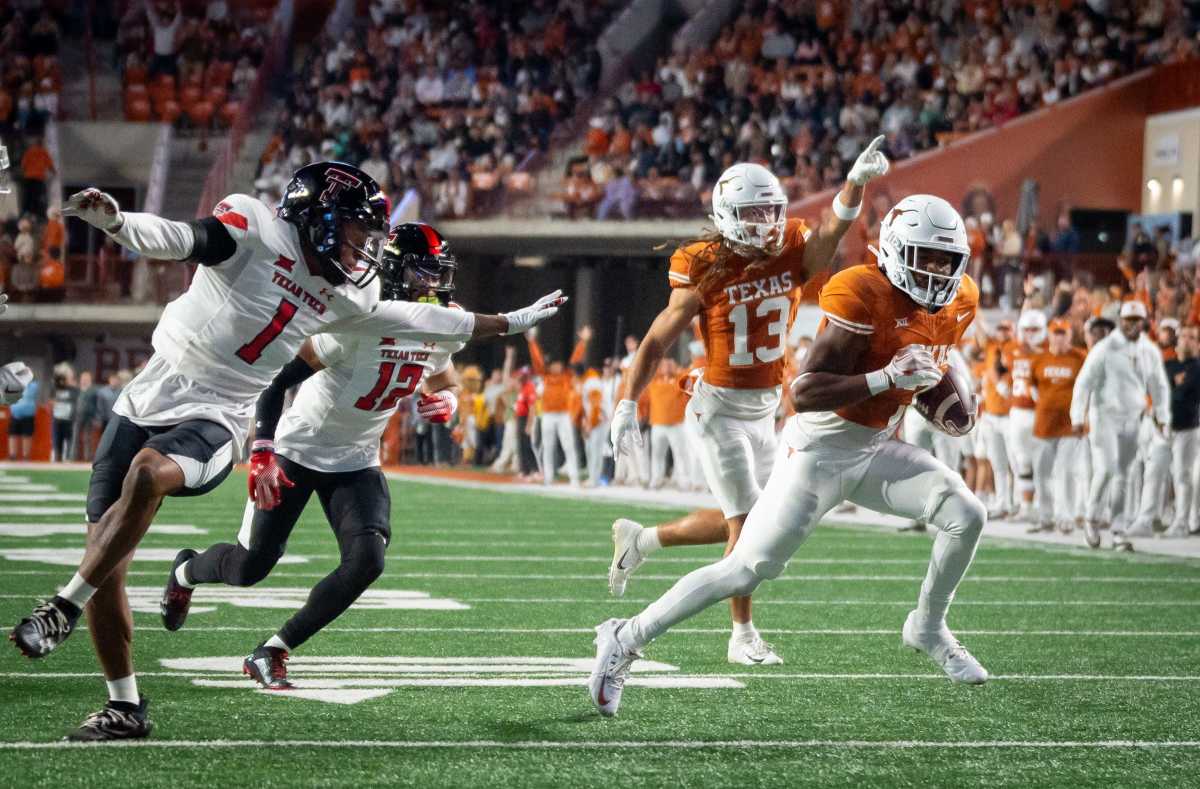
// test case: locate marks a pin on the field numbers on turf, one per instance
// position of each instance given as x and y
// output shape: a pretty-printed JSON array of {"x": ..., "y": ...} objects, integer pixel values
[{"x": 351, "y": 679}]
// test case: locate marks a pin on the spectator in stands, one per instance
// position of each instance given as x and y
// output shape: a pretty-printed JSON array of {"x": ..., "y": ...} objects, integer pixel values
[
  {"x": 166, "y": 21},
  {"x": 66, "y": 399},
  {"x": 83, "y": 446},
  {"x": 37, "y": 167},
  {"x": 619, "y": 195},
  {"x": 20, "y": 427},
  {"x": 451, "y": 195}
]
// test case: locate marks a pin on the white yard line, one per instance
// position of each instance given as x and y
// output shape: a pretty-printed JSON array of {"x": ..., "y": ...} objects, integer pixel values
[
  {"x": 43, "y": 497},
  {"x": 552, "y": 745}
]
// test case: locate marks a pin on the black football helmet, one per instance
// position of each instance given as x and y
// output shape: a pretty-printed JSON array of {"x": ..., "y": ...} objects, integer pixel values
[
  {"x": 320, "y": 200},
  {"x": 418, "y": 265}
]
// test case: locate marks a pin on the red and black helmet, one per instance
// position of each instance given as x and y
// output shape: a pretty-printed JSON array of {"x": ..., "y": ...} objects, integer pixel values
[
  {"x": 320, "y": 200},
  {"x": 417, "y": 265}
]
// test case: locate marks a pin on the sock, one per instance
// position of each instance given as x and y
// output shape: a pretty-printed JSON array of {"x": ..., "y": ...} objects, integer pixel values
[
  {"x": 276, "y": 642},
  {"x": 744, "y": 630},
  {"x": 181, "y": 576},
  {"x": 647, "y": 541},
  {"x": 77, "y": 591},
  {"x": 124, "y": 690}
]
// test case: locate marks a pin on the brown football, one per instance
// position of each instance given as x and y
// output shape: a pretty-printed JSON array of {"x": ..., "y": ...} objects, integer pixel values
[{"x": 949, "y": 405}]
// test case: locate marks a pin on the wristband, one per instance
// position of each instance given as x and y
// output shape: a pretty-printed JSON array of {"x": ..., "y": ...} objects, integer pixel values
[
  {"x": 843, "y": 211},
  {"x": 878, "y": 381},
  {"x": 262, "y": 445}
]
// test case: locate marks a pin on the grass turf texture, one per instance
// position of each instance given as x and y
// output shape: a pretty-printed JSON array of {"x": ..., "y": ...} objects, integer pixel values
[{"x": 1126, "y": 625}]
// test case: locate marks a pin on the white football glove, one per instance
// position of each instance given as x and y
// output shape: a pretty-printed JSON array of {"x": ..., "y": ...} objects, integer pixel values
[
  {"x": 3, "y": 302},
  {"x": 624, "y": 430},
  {"x": 871, "y": 163},
  {"x": 97, "y": 208},
  {"x": 522, "y": 320},
  {"x": 14, "y": 377},
  {"x": 913, "y": 368}
]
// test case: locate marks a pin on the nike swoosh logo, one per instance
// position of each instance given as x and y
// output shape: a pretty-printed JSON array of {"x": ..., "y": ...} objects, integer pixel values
[
  {"x": 621, "y": 561},
  {"x": 600, "y": 697},
  {"x": 961, "y": 316},
  {"x": 754, "y": 659}
]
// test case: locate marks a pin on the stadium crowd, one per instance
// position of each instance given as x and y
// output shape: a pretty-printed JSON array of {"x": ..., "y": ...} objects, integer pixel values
[
  {"x": 445, "y": 104},
  {"x": 800, "y": 87}
]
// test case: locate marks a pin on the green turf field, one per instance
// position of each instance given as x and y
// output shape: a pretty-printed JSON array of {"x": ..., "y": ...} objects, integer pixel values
[{"x": 467, "y": 667}]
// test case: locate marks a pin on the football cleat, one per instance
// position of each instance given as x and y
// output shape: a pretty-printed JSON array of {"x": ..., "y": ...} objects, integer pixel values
[
  {"x": 1121, "y": 541},
  {"x": 1140, "y": 528},
  {"x": 1178, "y": 530},
  {"x": 945, "y": 650},
  {"x": 40, "y": 633},
  {"x": 1091, "y": 533},
  {"x": 176, "y": 598},
  {"x": 752, "y": 651},
  {"x": 1039, "y": 526},
  {"x": 268, "y": 667},
  {"x": 118, "y": 720},
  {"x": 611, "y": 669},
  {"x": 626, "y": 556},
  {"x": 1066, "y": 526}
]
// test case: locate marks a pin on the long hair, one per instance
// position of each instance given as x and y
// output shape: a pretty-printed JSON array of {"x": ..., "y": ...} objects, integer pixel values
[{"x": 716, "y": 259}]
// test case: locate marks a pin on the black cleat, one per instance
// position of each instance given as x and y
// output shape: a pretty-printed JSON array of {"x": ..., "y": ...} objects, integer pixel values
[
  {"x": 177, "y": 598},
  {"x": 118, "y": 720},
  {"x": 268, "y": 667},
  {"x": 38, "y": 634}
]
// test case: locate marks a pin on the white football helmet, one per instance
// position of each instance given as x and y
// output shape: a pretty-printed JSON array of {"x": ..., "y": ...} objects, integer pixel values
[
  {"x": 924, "y": 222},
  {"x": 1031, "y": 327},
  {"x": 750, "y": 208}
]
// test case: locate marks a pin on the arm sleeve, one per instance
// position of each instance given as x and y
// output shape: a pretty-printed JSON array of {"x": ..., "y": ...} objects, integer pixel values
[
  {"x": 330, "y": 349},
  {"x": 270, "y": 403},
  {"x": 844, "y": 307},
  {"x": 155, "y": 237},
  {"x": 213, "y": 244},
  {"x": 1089, "y": 378},
  {"x": 580, "y": 352},
  {"x": 409, "y": 320},
  {"x": 537, "y": 360}
]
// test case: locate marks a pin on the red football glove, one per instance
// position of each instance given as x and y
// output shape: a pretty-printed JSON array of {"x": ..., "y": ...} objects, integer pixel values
[
  {"x": 437, "y": 407},
  {"x": 266, "y": 476}
]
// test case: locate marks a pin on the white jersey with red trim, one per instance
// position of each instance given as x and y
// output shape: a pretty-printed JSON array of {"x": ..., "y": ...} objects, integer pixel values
[
  {"x": 221, "y": 343},
  {"x": 339, "y": 414}
]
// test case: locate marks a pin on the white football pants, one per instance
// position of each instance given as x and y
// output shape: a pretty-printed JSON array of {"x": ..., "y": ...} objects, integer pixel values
[
  {"x": 1185, "y": 475},
  {"x": 1114, "y": 442},
  {"x": 1155, "y": 458},
  {"x": 507, "y": 459},
  {"x": 995, "y": 437},
  {"x": 811, "y": 476},
  {"x": 1060, "y": 479},
  {"x": 596, "y": 448},
  {"x": 557, "y": 429},
  {"x": 662, "y": 438},
  {"x": 1019, "y": 445}
]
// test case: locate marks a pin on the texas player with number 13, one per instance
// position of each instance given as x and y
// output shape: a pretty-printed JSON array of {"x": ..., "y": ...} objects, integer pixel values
[
  {"x": 886, "y": 334},
  {"x": 266, "y": 281},
  {"x": 743, "y": 283}
]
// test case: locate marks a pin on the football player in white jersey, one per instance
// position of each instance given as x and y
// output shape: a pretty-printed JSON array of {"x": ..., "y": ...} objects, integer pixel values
[
  {"x": 328, "y": 443},
  {"x": 265, "y": 282}
]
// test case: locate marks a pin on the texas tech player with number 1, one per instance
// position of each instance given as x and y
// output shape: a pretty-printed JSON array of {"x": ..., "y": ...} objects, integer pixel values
[
  {"x": 266, "y": 281},
  {"x": 744, "y": 284},
  {"x": 887, "y": 332},
  {"x": 328, "y": 443}
]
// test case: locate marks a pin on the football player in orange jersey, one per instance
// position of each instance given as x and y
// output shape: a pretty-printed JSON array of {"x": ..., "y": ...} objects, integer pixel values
[
  {"x": 1058, "y": 481},
  {"x": 887, "y": 332},
  {"x": 1031, "y": 341},
  {"x": 744, "y": 283},
  {"x": 993, "y": 423}
]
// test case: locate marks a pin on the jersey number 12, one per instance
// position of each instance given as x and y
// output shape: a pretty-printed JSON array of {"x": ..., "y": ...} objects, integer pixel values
[{"x": 406, "y": 383}]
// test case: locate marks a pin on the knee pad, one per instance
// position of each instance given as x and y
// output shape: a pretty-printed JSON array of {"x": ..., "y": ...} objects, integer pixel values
[{"x": 956, "y": 510}]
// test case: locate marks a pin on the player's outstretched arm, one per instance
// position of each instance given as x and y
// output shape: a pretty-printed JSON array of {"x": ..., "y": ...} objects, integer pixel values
[
  {"x": 823, "y": 243},
  {"x": 682, "y": 307},
  {"x": 827, "y": 384},
  {"x": 440, "y": 399},
  {"x": 417, "y": 320},
  {"x": 205, "y": 241},
  {"x": 266, "y": 476}
]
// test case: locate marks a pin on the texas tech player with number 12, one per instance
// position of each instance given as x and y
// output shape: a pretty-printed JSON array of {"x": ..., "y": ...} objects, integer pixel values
[
  {"x": 266, "y": 281},
  {"x": 886, "y": 334},
  {"x": 743, "y": 282},
  {"x": 328, "y": 443}
]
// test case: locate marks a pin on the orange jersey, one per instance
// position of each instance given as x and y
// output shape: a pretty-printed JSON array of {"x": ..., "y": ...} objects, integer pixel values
[
  {"x": 995, "y": 401},
  {"x": 1053, "y": 375},
  {"x": 556, "y": 387},
  {"x": 666, "y": 400},
  {"x": 862, "y": 300},
  {"x": 1019, "y": 362},
  {"x": 746, "y": 314}
]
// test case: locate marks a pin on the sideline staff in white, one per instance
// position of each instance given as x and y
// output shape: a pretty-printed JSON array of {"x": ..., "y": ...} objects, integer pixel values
[{"x": 1121, "y": 370}]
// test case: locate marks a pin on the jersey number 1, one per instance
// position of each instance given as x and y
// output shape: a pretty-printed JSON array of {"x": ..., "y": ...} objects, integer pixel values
[
  {"x": 406, "y": 383},
  {"x": 251, "y": 351},
  {"x": 763, "y": 354}
]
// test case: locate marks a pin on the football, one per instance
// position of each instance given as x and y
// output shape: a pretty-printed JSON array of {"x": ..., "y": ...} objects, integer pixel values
[{"x": 949, "y": 405}]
